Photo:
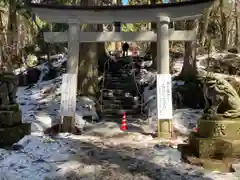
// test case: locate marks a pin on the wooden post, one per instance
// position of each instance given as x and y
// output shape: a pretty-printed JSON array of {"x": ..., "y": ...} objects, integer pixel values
[
  {"x": 73, "y": 48},
  {"x": 164, "y": 85},
  {"x": 118, "y": 28},
  {"x": 69, "y": 97}
]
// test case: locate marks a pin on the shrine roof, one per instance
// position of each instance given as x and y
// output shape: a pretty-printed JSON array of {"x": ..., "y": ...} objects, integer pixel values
[
  {"x": 115, "y": 7},
  {"x": 126, "y": 14}
]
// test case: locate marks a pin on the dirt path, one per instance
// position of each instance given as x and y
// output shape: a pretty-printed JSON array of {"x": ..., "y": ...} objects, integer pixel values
[{"x": 127, "y": 156}]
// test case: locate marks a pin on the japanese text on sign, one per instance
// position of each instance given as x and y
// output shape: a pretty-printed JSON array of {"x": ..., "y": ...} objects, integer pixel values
[
  {"x": 68, "y": 95},
  {"x": 164, "y": 96}
]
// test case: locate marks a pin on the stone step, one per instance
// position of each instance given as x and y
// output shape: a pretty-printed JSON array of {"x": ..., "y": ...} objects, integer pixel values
[
  {"x": 112, "y": 97},
  {"x": 117, "y": 83},
  {"x": 112, "y": 92},
  {"x": 118, "y": 111},
  {"x": 115, "y": 87},
  {"x": 118, "y": 79},
  {"x": 108, "y": 73},
  {"x": 122, "y": 76},
  {"x": 114, "y": 78},
  {"x": 10, "y": 118},
  {"x": 111, "y": 106},
  {"x": 122, "y": 101},
  {"x": 115, "y": 101},
  {"x": 117, "y": 94},
  {"x": 11, "y": 135},
  {"x": 116, "y": 91},
  {"x": 117, "y": 106},
  {"x": 112, "y": 101},
  {"x": 120, "y": 85}
]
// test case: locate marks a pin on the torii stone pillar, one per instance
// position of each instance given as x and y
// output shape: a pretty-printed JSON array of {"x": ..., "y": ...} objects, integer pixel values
[{"x": 164, "y": 94}]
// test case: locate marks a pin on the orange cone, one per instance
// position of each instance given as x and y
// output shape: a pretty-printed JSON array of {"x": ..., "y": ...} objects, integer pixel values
[
  {"x": 195, "y": 129},
  {"x": 124, "y": 123}
]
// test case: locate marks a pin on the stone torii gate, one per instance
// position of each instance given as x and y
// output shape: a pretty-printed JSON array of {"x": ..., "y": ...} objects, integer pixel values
[{"x": 161, "y": 14}]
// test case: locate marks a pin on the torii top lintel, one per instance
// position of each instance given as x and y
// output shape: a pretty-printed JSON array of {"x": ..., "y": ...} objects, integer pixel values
[{"x": 127, "y": 14}]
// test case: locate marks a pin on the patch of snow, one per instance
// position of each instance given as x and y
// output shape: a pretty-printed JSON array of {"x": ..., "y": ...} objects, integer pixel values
[
  {"x": 60, "y": 59},
  {"x": 214, "y": 55},
  {"x": 41, "y": 103},
  {"x": 42, "y": 108},
  {"x": 85, "y": 107},
  {"x": 35, "y": 161},
  {"x": 42, "y": 158},
  {"x": 19, "y": 70}
]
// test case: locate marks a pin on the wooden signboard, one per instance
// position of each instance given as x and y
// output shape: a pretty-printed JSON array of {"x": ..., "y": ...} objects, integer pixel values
[
  {"x": 68, "y": 97},
  {"x": 68, "y": 101},
  {"x": 164, "y": 105},
  {"x": 164, "y": 99}
]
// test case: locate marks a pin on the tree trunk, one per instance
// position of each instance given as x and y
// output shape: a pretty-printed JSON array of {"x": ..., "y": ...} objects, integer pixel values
[
  {"x": 113, "y": 44},
  {"x": 118, "y": 28},
  {"x": 101, "y": 46},
  {"x": 101, "y": 51},
  {"x": 2, "y": 42},
  {"x": 237, "y": 25},
  {"x": 189, "y": 68},
  {"x": 88, "y": 68},
  {"x": 49, "y": 45},
  {"x": 12, "y": 35},
  {"x": 88, "y": 63},
  {"x": 204, "y": 27},
  {"x": 12, "y": 25},
  {"x": 224, "y": 27},
  {"x": 154, "y": 44}
]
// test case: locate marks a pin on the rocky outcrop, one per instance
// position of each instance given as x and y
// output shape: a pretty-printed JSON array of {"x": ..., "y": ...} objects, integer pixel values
[{"x": 11, "y": 127}]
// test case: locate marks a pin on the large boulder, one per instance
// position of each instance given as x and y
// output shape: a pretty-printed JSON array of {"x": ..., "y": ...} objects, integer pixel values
[{"x": 30, "y": 76}]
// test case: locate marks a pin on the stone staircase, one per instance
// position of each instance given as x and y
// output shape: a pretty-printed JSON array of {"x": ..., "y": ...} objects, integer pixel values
[{"x": 118, "y": 96}]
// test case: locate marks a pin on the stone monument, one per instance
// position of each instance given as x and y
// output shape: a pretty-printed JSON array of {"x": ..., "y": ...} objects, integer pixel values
[
  {"x": 11, "y": 127},
  {"x": 216, "y": 143}
]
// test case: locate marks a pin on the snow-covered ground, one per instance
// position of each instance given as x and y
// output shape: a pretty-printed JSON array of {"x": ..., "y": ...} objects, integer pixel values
[{"x": 102, "y": 152}]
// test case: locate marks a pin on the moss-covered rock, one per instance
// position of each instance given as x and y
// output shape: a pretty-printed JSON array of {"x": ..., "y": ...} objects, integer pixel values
[
  {"x": 11, "y": 107},
  {"x": 11, "y": 135},
  {"x": 226, "y": 128},
  {"x": 10, "y": 118},
  {"x": 214, "y": 148}
]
